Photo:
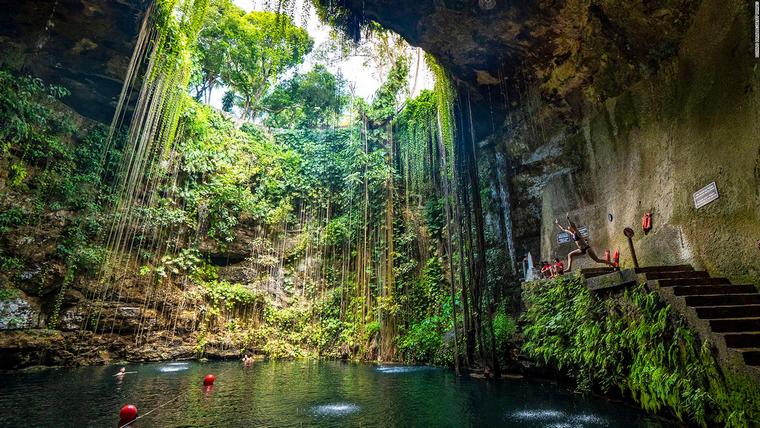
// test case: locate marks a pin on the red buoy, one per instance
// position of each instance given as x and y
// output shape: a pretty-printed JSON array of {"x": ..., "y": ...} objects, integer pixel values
[
  {"x": 209, "y": 380},
  {"x": 127, "y": 414}
]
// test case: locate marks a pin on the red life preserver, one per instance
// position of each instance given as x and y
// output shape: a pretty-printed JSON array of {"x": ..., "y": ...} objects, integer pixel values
[{"x": 646, "y": 222}]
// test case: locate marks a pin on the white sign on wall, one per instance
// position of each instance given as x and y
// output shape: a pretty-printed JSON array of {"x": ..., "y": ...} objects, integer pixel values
[
  {"x": 564, "y": 237},
  {"x": 705, "y": 195}
]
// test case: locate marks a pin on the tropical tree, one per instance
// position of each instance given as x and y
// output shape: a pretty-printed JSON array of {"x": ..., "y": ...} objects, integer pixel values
[
  {"x": 247, "y": 53},
  {"x": 310, "y": 100},
  {"x": 213, "y": 47},
  {"x": 263, "y": 45}
]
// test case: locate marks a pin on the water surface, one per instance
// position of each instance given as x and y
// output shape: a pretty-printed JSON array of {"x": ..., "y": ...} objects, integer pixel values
[{"x": 297, "y": 394}]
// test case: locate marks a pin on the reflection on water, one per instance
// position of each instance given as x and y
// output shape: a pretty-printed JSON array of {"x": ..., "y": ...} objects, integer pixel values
[
  {"x": 402, "y": 369},
  {"x": 337, "y": 409},
  {"x": 557, "y": 419},
  {"x": 174, "y": 367},
  {"x": 297, "y": 394},
  {"x": 538, "y": 415}
]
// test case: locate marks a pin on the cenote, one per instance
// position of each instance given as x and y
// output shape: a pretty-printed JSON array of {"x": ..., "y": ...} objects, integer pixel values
[
  {"x": 564, "y": 189},
  {"x": 296, "y": 394}
]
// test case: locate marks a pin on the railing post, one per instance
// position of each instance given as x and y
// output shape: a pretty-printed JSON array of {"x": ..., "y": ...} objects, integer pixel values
[{"x": 628, "y": 232}]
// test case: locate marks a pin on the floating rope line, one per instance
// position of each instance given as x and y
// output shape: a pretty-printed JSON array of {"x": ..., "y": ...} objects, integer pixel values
[
  {"x": 146, "y": 414},
  {"x": 165, "y": 403}
]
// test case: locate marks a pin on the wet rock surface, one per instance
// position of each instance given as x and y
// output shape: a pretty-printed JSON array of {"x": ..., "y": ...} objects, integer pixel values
[
  {"x": 18, "y": 313},
  {"x": 83, "y": 45}
]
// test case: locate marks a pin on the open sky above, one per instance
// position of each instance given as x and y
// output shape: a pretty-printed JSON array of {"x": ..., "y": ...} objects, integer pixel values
[{"x": 354, "y": 68}]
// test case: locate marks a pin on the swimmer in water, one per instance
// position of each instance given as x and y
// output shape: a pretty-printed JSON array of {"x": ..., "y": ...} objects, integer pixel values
[{"x": 122, "y": 373}]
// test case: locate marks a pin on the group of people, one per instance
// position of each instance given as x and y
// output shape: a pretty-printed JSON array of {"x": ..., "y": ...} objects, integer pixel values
[{"x": 552, "y": 270}]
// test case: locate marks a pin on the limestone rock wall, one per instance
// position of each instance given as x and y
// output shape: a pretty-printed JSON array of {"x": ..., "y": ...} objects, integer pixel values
[
  {"x": 694, "y": 122},
  {"x": 82, "y": 45}
]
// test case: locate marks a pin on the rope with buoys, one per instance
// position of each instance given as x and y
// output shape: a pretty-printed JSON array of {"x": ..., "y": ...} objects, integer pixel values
[
  {"x": 129, "y": 414},
  {"x": 136, "y": 418}
]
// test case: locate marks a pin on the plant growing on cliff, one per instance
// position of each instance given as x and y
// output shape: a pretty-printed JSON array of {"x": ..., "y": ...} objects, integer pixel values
[{"x": 637, "y": 345}]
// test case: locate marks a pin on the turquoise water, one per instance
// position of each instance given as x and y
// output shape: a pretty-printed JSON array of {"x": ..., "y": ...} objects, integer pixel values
[{"x": 297, "y": 394}]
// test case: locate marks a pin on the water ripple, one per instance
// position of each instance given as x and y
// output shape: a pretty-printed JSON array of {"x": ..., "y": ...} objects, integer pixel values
[
  {"x": 557, "y": 418},
  {"x": 401, "y": 369},
  {"x": 173, "y": 367},
  {"x": 335, "y": 409}
]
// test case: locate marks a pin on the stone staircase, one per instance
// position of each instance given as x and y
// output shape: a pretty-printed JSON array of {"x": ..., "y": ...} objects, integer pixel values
[{"x": 726, "y": 314}]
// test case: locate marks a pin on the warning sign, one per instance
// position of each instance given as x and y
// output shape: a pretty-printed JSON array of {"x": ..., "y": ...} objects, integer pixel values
[
  {"x": 564, "y": 237},
  {"x": 705, "y": 195}
]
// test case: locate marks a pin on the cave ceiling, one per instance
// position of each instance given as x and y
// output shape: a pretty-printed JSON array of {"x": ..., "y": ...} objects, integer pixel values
[{"x": 562, "y": 52}]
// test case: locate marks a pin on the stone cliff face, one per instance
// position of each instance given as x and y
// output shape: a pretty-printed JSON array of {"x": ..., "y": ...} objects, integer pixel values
[
  {"x": 542, "y": 75},
  {"x": 593, "y": 107},
  {"x": 609, "y": 107},
  {"x": 83, "y": 45}
]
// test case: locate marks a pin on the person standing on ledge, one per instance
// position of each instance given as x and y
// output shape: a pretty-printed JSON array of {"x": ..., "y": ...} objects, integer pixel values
[{"x": 581, "y": 242}]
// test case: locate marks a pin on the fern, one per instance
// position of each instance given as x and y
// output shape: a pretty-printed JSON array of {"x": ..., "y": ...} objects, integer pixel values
[{"x": 636, "y": 344}]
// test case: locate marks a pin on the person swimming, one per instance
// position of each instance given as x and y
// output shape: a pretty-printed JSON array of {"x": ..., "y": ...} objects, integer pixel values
[
  {"x": 247, "y": 361},
  {"x": 122, "y": 372},
  {"x": 582, "y": 243}
]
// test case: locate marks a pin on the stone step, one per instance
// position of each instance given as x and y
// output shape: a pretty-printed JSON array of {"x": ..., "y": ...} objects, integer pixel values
[
  {"x": 594, "y": 272},
  {"x": 735, "y": 325},
  {"x": 742, "y": 340},
  {"x": 597, "y": 269},
  {"x": 677, "y": 275},
  {"x": 656, "y": 269},
  {"x": 751, "y": 356},
  {"x": 692, "y": 281},
  {"x": 694, "y": 290},
  {"x": 723, "y": 300},
  {"x": 742, "y": 311}
]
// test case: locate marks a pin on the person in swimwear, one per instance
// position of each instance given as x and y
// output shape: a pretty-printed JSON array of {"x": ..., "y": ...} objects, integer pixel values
[
  {"x": 122, "y": 373},
  {"x": 546, "y": 270},
  {"x": 581, "y": 242},
  {"x": 247, "y": 361},
  {"x": 559, "y": 267}
]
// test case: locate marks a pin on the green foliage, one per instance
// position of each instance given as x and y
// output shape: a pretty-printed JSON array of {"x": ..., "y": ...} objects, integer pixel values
[
  {"x": 435, "y": 216},
  {"x": 27, "y": 123},
  {"x": 340, "y": 17},
  {"x": 428, "y": 311},
  {"x": 311, "y": 100},
  {"x": 11, "y": 218},
  {"x": 637, "y": 345},
  {"x": 504, "y": 327},
  {"x": 8, "y": 293},
  {"x": 246, "y": 52},
  {"x": 212, "y": 48},
  {"x": 386, "y": 101},
  {"x": 424, "y": 341},
  {"x": 230, "y": 295},
  {"x": 230, "y": 174},
  {"x": 326, "y": 188},
  {"x": 60, "y": 168}
]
